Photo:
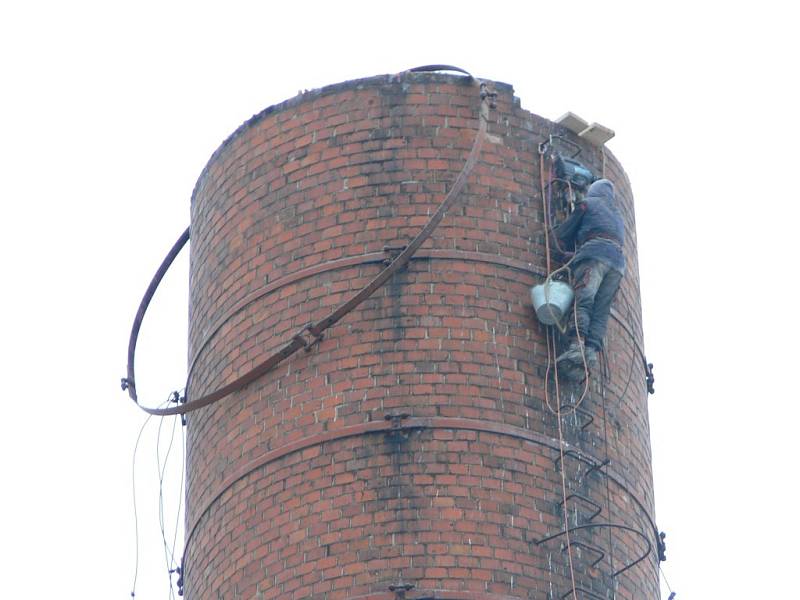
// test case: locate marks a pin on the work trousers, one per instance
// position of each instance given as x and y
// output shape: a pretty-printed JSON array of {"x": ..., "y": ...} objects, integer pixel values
[{"x": 596, "y": 284}]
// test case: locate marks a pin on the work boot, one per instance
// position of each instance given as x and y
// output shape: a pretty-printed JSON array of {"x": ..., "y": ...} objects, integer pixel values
[
  {"x": 572, "y": 354},
  {"x": 571, "y": 372},
  {"x": 592, "y": 356}
]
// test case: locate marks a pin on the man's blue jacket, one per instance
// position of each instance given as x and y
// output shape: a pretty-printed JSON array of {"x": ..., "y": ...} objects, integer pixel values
[{"x": 595, "y": 228}]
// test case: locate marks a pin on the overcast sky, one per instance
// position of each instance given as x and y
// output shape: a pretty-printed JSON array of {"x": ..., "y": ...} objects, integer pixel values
[{"x": 110, "y": 110}]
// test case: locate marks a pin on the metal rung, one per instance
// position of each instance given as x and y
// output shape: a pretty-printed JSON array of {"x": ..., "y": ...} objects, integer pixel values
[
  {"x": 644, "y": 555},
  {"x": 595, "y": 506},
  {"x": 582, "y": 412},
  {"x": 573, "y": 453},
  {"x": 593, "y": 466},
  {"x": 590, "y": 548},
  {"x": 598, "y": 466}
]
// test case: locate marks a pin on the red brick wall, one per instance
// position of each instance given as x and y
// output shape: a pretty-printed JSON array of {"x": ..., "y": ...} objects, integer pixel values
[{"x": 297, "y": 486}]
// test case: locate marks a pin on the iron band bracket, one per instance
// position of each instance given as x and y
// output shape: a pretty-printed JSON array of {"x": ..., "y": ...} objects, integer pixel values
[
  {"x": 392, "y": 252},
  {"x": 396, "y": 419},
  {"x": 307, "y": 338},
  {"x": 401, "y": 589},
  {"x": 662, "y": 547},
  {"x": 649, "y": 377},
  {"x": 178, "y": 398}
]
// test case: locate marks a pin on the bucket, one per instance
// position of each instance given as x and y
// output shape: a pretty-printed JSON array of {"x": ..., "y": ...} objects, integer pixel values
[{"x": 551, "y": 301}]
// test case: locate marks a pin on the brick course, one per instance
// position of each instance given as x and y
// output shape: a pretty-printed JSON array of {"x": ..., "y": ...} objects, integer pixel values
[{"x": 282, "y": 501}]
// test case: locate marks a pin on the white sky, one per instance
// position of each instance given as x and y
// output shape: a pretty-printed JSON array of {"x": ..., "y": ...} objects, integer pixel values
[{"x": 109, "y": 111}]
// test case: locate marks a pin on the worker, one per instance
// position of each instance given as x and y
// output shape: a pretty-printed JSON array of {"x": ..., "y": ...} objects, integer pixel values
[{"x": 596, "y": 232}]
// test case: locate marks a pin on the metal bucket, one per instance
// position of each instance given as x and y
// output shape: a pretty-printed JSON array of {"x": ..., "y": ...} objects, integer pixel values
[{"x": 551, "y": 300}]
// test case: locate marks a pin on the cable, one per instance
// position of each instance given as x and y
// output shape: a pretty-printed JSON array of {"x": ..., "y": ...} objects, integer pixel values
[
  {"x": 161, "y": 469},
  {"x": 161, "y": 473},
  {"x": 135, "y": 511},
  {"x": 180, "y": 500},
  {"x": 664, "y": 575}
]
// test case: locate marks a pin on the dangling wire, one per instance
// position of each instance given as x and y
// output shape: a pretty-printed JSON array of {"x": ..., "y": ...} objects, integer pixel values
[
  {"x": 180, "y": 498},
  {"x": 169, "y": 553},
  {"x": 161, "y": 473},
  {"x": 664, "y": 575},
  {"x": 135, "y": 511}
]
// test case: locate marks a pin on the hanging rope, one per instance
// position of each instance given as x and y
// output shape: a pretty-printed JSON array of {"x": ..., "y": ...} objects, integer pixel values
[{"x": 551, "y": 349}]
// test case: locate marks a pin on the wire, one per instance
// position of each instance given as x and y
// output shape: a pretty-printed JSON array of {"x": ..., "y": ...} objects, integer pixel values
[
  {"x": 169, "y": 554},
  {"x": 664, "y": 575},
  {"x": 180, "y": 495},
  {"x": 135, "y": 511},
  {"x": 161, "y": 472}
]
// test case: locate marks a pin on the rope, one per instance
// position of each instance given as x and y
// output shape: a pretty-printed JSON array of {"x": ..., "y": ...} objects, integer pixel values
[
  {"x": 564, "y": 489},
  {"x": 544, "y": 212},
  {"x": 315, "y": 330},
  {"x": 566, "y": 266},
  {"x": 550, "y": 333}
]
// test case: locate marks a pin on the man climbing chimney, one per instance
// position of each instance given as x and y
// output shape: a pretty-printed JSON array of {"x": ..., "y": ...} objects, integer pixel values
[{"x": 596, "y": 232}]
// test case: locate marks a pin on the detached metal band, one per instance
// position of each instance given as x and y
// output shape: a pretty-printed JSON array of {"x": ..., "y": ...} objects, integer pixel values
[
  {"x": 316, "y": 329},
  {"x": 129, "y": 382},
  {"x": 397, "y": 423}
]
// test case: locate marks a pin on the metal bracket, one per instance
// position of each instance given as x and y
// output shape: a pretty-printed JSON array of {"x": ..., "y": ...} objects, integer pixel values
[
  {"x": 661, "y": 547},
  {"x": 177, "y": 398},
  {"x": 179, "y": 583},
  {"x": 396, "y": 419},
  {"x": 392, "y": 252},
  {"x": 649, "y": 377},
  {"x": 549, "y": 142},
  {"x": 400, "y": 589},
  {"x": 489, "y": 92},
  {"x": 307, "y": 338}
]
